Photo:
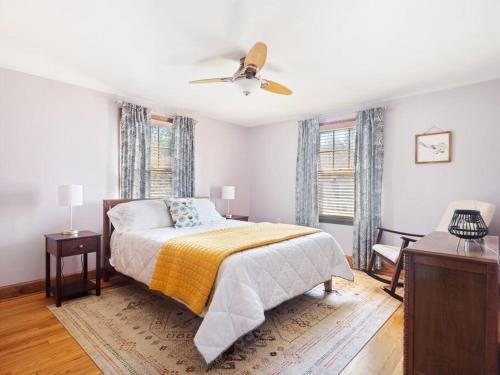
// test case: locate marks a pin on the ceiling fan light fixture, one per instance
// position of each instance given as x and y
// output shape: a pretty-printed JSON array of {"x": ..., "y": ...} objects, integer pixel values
[
  {"x": 247, "y": 78},
  {"x": 247, "y": 86}
]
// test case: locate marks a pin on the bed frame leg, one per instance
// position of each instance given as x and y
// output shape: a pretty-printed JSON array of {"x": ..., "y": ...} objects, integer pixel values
[
  {"x": 328, "y": 285},
  {"x": 106, "y": 274}
]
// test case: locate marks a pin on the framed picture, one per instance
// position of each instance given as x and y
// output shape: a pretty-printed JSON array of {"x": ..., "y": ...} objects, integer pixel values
[{"x": 433, "y": 148}]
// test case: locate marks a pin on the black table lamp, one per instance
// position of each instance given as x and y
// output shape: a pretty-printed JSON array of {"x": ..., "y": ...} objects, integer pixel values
[{"x": 468, "y": 225}]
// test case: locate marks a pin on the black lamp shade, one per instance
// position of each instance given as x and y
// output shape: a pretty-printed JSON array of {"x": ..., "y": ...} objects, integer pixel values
[{"x": 468, "y": 224}]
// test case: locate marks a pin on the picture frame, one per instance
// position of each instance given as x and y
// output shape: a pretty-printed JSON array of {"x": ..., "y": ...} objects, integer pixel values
[{"x": 433, "y": 147}]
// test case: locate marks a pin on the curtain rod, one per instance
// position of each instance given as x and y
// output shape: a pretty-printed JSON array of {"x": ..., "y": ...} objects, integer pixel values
[
  {"x": 348, "y": 113},
  {"x": 154, "y": 115},
  {"x": 339, "y": 121}
]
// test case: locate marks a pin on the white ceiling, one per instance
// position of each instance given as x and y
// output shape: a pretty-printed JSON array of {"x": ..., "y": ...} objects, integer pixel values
[{"x": 333, "y": 54}]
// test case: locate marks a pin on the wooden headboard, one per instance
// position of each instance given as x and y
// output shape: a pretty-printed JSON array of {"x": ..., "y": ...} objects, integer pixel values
[{"x": 107, "y": 230}]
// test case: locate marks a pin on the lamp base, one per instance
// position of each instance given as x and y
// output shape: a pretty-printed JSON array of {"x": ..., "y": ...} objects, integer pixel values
[
  {"x": 471, "y": 245},
  {"x": 70, "y": 232}
]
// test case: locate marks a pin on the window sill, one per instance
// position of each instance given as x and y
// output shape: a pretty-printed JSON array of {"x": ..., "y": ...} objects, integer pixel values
[{"x": 342, "y": 220}]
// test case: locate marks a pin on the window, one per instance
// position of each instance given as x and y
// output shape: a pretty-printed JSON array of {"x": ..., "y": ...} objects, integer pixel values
[
  {"x": 336, "y": 172},
  {"x": 161, "y": 157}
]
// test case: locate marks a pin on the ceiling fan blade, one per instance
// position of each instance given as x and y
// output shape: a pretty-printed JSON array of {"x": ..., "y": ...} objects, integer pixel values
[
  {"x": 212, "y": 80},
  {"x": 232, "y": 55},
  {"x": 257, "y": 55},
  {"x": 275, "y": 87}
]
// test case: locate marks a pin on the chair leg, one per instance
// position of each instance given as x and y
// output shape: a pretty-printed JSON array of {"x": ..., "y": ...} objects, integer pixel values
[
  {"x": 393, "y": 295},
  {"x": 371, "y": 263},
  {"x": 397, "y": 273},
  {"x": 369, "y": 271},
  {"x": 395, "y": 279}
]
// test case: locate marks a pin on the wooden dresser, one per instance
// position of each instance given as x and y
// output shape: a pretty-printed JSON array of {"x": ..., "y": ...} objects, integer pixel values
[{"x": 450, "y": 306}]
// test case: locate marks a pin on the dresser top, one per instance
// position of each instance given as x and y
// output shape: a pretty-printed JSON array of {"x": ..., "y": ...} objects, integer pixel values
[{"x": 445, "y": 244}]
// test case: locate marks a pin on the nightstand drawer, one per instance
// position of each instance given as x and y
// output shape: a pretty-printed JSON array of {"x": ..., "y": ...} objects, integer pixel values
[{"x": 79, "y": 246}]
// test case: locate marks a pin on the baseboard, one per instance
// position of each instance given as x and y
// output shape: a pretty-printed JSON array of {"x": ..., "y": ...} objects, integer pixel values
[{"x": 36, "y": 286}]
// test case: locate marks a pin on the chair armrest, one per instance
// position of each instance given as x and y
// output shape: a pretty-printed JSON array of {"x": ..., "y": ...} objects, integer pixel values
[
  {"x": 406, "y": 242},
  {"x": 398, "y": 232},
  {"x": 409, "y": 239}
]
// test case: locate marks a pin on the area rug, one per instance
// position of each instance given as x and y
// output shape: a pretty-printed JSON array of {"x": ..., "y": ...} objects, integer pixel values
[{"x": 129, "y": 330}]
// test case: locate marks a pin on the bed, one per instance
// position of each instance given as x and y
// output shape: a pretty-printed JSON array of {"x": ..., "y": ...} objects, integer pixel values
[{"x": 247, "y": 284}]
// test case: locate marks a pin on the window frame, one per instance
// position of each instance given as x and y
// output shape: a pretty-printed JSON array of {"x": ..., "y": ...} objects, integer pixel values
[
  {"x": 333, "y": 126},
  {"x": 158, "y": 120}
]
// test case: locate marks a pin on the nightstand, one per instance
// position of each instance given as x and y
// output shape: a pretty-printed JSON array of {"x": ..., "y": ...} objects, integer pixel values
[
  {"x": 60, "y": 246},
  {"x": 237, "y": 217}
]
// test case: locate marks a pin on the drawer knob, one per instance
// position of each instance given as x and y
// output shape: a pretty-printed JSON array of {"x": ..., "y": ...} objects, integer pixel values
[{"x": 80, "y": 246}]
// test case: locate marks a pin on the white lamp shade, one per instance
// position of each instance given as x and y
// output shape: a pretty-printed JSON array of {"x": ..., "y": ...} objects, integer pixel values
[
  {"x": 70, "y": 195},
  {"x": 227, "y": 192}
]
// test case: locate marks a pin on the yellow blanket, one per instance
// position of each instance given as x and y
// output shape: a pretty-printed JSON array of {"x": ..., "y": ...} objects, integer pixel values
[{"x": 187, "y": 266}]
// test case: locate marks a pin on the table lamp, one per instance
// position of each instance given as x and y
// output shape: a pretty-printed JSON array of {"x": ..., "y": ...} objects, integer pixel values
[
  {"x": 69, "y": 196},
  {"x": 228, "y": 194},
  {"x": 468, "y": 225}
]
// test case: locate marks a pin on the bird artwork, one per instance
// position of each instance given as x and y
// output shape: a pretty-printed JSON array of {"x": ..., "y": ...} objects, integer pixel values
[
  {"x": 436, "y": 149},
  {"x": 433, "y": 147}
]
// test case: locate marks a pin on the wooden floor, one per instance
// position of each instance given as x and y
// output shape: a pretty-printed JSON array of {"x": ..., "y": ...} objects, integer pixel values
[{"x": 33, "y": 341}]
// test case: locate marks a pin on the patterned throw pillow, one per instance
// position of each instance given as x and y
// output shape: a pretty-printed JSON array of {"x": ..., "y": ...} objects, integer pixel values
[{"x": 183, "y": 212}]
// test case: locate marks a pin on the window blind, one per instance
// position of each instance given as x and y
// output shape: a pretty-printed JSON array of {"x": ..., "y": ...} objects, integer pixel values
[
  {"x": 336, "y": 172},
  {"x": 161, "y": 159}
]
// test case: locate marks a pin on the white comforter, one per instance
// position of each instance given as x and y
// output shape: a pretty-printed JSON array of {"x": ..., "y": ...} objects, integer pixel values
[{"x": 248, "y": 283}]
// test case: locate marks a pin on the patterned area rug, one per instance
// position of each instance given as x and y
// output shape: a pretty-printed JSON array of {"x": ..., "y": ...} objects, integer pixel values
[{"x": 129, "y": 330}]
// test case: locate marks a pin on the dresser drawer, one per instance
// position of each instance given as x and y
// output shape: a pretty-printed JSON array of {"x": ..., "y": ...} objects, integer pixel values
[{"x": 79, "y": 246}]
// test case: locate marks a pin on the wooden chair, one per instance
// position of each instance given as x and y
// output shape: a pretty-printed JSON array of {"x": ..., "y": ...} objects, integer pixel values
[{"x": 393, "y": 254}]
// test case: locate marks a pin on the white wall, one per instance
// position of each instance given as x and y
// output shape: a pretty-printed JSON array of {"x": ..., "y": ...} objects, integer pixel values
[
  {"x": 222, "y": 159},
  {"x": 414, "y": 196},
  {"x": 53, "y": 133}
]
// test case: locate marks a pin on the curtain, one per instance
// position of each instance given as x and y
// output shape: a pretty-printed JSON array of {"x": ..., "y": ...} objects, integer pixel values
[
  {"x": 183, "y": 157},
  {"x": 135, "y": 151},
  {"x": 368, "y": 161},
  {"x": 306, "y": 178}
]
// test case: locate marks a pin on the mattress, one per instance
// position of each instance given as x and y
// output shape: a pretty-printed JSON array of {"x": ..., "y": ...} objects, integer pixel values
[{"x": 248, "y": 283}]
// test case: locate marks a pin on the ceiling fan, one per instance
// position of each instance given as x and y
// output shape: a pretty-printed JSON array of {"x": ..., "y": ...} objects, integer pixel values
[{"x": 247, "y": 76}]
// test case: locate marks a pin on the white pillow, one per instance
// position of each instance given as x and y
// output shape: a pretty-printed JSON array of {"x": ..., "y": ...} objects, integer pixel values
[
  {"x": 206, "y": 210},
  {"x": 143, "y": 214}
]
